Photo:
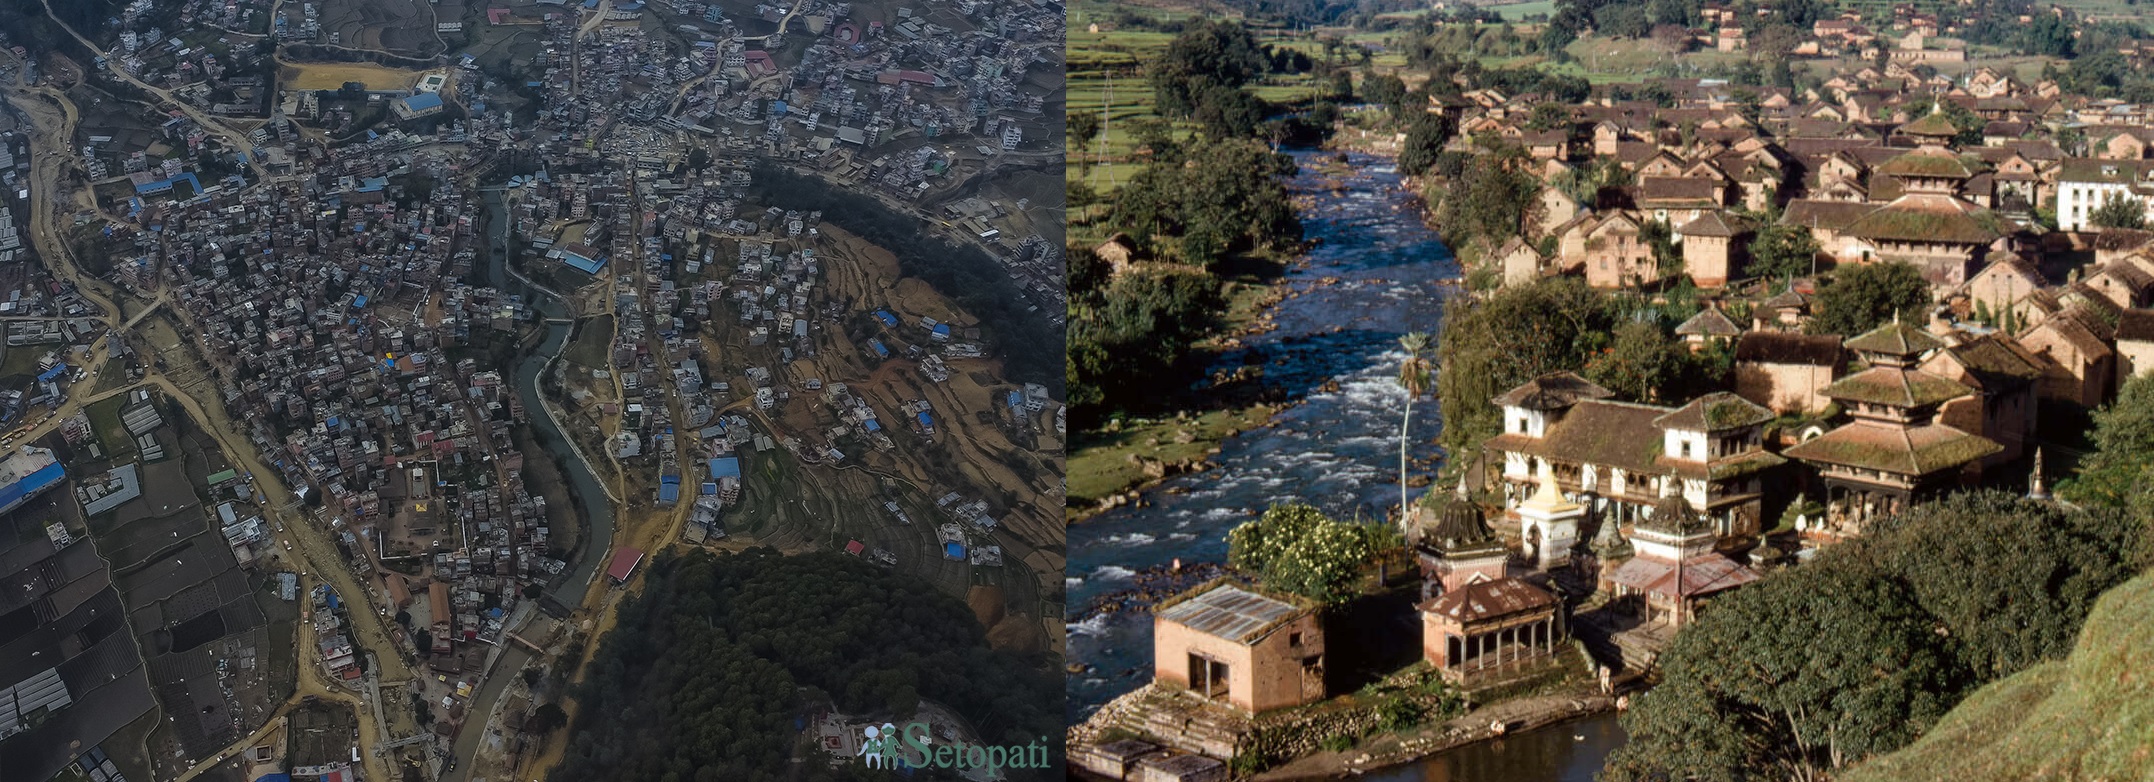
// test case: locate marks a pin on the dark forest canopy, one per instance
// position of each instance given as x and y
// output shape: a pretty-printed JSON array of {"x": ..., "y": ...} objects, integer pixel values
[
  {"x": 976, "y": 283},
  {"x": 703, "y": 677}
]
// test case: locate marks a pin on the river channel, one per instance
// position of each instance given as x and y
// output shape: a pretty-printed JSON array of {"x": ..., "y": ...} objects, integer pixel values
[
  {"x": 1376, "y": 273},
  {"x": 595, "y": 510}
]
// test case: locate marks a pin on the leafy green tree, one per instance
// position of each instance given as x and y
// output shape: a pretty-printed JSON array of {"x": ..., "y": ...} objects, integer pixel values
[
  {"x": 2121, "y": 468},
  {"x": 1492, "y": 344},
  {"x": 2120, "y": 212},
  {"x": 1780, "y": 250},
  {"x": 1424, "y": 141},
  {"x": 1861, "y": 298},
  {"x": 1622, "y": 20},
  {"x": 1488, "y": 202},
  {"x": 1205, "y": 55},
  {"x": 1128, "y": 337},
  {"x": 1083, "y": 128},
  {"x": 1253, "y": 546},
  {"x": 2013, "y": 587},
  {"x": 1384, "y": 89},
  {"x": 1801, "y": 674},
  {"x": 1229, "y": 199},
  {"x": 1548, "y": 116},
  {"x": 1297, "y": 549},
  {"x": 1641, "y": 363}
]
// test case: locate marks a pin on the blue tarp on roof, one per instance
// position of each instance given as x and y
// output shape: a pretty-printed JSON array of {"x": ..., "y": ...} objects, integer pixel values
[
  {"x": 47, "y": 376},
  {"x": 874, "y": 425},
  {"x": 943, "y": 329},
  {"x": 582, "y": 264},
  {"x": 887, "y": 318},
  {"x": 725, "y": 467},
  {"x": 422, "y": 102},
  {"x": 14, "y": 493},
  {"x": 669, "y": 492},
  {"x": 274, "y": 777},
  {"x": 926, "y": 421},
  {"x": 879, "y": 349},
  {"x": 953, "y": 550}
]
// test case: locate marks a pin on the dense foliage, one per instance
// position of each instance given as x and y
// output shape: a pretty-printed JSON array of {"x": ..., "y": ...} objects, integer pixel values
[
  {"x": 1485, "y": 203},
  {"x": 973, "y": 281},
  {"x": 1296, "y": 549},
  {"x": 1492, "y": 344},
  {"x": 2120, "y": 471},
  {"x": 1861, "y": 298},
  {"x": 2120, "y": 212},
  {"x": 1209, "y": 199},
  {"x": 1779, "y": 251},
  {"x": 1128, "y": 335},
  {"x": 1644, "y": 363},
  {"x": 1861, "y": 650},
  {"x": 702, "y": 677}
]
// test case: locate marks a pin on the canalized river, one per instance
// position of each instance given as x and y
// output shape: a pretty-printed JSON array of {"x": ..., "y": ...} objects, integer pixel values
[
  {"x": 594, "y": 509},
  {"x": 1377, "y": 273}
]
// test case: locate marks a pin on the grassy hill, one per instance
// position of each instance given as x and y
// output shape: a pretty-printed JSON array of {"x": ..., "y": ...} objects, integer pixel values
[{"x": 2087, "y": 717}]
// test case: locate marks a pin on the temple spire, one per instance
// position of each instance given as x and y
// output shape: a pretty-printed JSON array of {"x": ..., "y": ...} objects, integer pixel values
[{"x": 2035, "y": 488}]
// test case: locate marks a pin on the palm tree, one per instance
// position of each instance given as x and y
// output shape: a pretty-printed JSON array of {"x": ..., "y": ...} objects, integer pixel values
[{"x": 1414, "y": 376}]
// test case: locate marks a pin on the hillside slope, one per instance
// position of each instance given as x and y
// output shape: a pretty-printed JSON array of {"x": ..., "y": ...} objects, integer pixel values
[{"x": 2087, "y": 717}]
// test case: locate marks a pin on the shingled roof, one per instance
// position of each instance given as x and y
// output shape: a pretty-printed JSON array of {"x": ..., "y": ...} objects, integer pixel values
[
  {"x": 1714, "y": 224},
  {"x": 1929, "y": 218},
  {"x": 1701, "y": 575},
  {"x": 1617, "y": 434},
  {"x": 1894, "y": 387},
  {"x": 1911, "y": 451},
  {"x": 1895, "y": 339},
  {"x": 1932, "y": 125},
  {"x": 1709, "y": 322},
  {"x": 1774, "y": 347},
  {"x": 2135, "y": 326},
  {"x": 1715, "y": 412},
  {"x": 1552, "y": 391},
  {"x": 1926, "y": 164},
  {"x": 1485, "y": 600}
]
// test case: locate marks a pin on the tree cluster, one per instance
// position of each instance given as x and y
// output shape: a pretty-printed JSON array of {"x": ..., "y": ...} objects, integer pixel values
[
  {"x": 711, "y": 662},
  {"x": 1296, "y": 549},
  {"x": 1861, "y": 298},
  {"x": 1858, "y": 652},
  {"x": 1492, "y": 344},
  {"x": 1203, "y": 202},
  {"x": 1128, "y": 334}
]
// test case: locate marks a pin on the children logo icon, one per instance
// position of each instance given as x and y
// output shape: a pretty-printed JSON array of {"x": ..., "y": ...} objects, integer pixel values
[
  {"x": 886, "y": 747},
  {"x": 880, "y": 750}
]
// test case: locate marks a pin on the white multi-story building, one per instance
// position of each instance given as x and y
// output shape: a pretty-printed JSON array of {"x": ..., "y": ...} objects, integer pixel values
[{"x": 2084, "y": 185}]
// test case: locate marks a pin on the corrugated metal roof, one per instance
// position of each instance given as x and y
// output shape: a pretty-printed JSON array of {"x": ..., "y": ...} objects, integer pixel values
[{"x": 1229, "y": 612}]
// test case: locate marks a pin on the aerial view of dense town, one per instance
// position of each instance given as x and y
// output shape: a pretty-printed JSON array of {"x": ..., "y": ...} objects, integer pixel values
[
  {"x": 417, "y": 390},
  {"x": 1590, "y": 390}
]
